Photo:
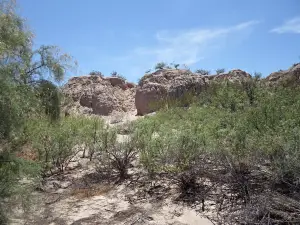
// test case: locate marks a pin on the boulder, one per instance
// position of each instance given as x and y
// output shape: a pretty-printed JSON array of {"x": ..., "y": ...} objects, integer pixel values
[
  {"x": 165, "y": 83},
  {"x": 98, "y": 95},
  {"x": 115, "y": 81},
  {"x": 287, "y": 77}
]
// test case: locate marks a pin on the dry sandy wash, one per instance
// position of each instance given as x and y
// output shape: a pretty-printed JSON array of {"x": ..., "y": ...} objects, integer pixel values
[{"x": 76, "y": 197}]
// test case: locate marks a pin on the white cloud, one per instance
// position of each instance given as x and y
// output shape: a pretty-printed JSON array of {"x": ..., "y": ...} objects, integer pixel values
[
  {"x": 185, "y": 46},
  {"x": 290, "y": 26}
]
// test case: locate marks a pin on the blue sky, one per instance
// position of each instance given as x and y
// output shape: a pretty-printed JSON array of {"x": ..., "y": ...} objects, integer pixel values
[{"x": 131, "y": 36}]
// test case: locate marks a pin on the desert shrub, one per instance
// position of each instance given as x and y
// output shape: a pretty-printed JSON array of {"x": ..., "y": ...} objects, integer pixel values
[
  {"x": 57, "y": 143},
  {"x": 219, "y": 71},
  {"x": 249, "y": 86},
  {"x": 174, "y": 100},
  {"x": 227, "y": 95},
  {"x": 257, "y": 75},
  {"x": 166, "y": 145},
  {"x": 122, "y": 77},
  {"x": 231, "y": 131},
  {"x": 116, "y": 74},
  {"x": 114, "y": 158},
  {"x": 12, "y": 170},
  {"x": 50, "y": 98},
  {"x": 202, "y": 72},
  {"x": 160, "y": 66},
  {"x": 96, "y": 73},
  {"x": 176, "y": 66},
  {"x": 117, "y": 159},
  {"x": 91, "y": 131}
]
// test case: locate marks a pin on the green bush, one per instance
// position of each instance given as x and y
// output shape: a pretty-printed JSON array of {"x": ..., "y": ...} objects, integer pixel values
[
  {"x": 115, "y": 158},
  {"x": 116, "y": 74},
  {"x": 202, "y": 72},
  {"x": 96, "y": 73},
  {"x": 58, "y": 143},
  {"x": 160, "y": 66},
  {"x": 219, "y": 71},
  {"x": 91, "y": 132}
]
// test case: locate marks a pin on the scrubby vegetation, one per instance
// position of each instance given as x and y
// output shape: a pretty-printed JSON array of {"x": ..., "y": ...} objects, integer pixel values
[
  {"x": 160, "y": 66},
  {"x": 202, "y": 72},
  {"x": 219, "y": 71},
  {"x": 116, "y": 74},
  {"x": 236, "y": 141},
  {"x": 97, "y": 73},
  {"x": 24, "y": 95},
  {"x": 242, "y": 138}
]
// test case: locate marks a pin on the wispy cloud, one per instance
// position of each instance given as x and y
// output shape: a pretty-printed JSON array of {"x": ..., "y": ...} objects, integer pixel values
[
  {"x": 184, "y": 46},
  {"x": 290, "y": 26}
]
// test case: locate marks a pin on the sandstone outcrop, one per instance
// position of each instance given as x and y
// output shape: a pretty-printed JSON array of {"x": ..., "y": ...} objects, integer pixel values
[
  {"x": 175, "y": 83},
  {"x": 233, "y": 75},
  {"x": 287, "y": 77},
  {"x": 98, "y": 95},
  {"x": 105, "y": 95},
  {"x": 165, "y": 83}
]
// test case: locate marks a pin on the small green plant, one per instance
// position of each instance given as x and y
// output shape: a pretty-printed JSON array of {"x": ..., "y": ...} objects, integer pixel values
[
  {"x": 96, "y": 73},
  {"x": 257, "y": 75},
  {"x": 115, "y": 74},
  {"x": 115, "y": 158},
  {"x": 219, "y": 71},
  {"x": 58, "y": 143},
  {"x": 202, "y": 72},
  {"x": 50, "y": 98},
  {"x": 176, "y": 66},
  {"x": 160, "y": 66},
  {"x": 122, "y": 77},
  {"x": 90, "y": 134}
]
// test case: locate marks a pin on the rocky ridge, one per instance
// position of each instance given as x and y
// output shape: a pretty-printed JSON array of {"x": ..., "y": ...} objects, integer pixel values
[
  {"x": 290, "y": 75},
  {"x": 175, "y": 83},
  {"x": 110, "y": 95}
]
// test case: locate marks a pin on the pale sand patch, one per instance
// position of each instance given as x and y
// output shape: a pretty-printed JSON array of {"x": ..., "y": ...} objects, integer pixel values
[{"x": 112, "y": 208}]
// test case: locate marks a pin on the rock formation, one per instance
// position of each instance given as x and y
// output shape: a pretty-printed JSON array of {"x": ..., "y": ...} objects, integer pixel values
[
  {"x": 286, "y": 77},
  {"x": 104, "y": 96},
  {"x": 98, "y": 95},
  {"x": 174, "y": 83},
  {"x": 233, "y": 75}
]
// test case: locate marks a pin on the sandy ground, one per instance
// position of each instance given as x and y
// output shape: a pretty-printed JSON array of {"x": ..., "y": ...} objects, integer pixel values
[
  {"x": 118, "y": 118},
  {"x": 75, "y": 198}
]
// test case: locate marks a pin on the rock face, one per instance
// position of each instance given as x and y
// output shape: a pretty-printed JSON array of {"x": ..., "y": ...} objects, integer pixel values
[
  {"x": 290, "y": 76},
  {"x": 98, "y": 95},
  {"x": 165, "y": 83},
  {"x": 174, "y": 83},
  {"x": 103, "y": 96},
  {"x": 233, "y": 75}
]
